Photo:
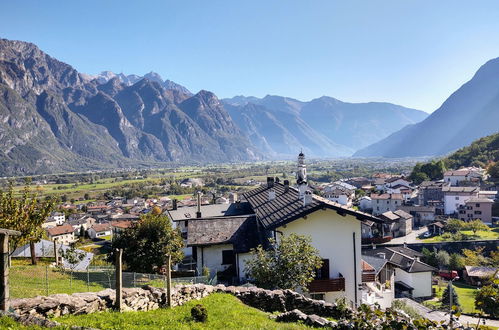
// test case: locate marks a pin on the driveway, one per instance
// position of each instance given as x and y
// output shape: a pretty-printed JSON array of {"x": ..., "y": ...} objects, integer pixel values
[{"x": 411, "y": 238}]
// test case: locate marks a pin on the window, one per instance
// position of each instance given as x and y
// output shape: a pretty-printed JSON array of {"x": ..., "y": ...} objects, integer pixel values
[
  {"x": 228, "y": 257},
  {"x": 478, "y": 212},
  {"x": 457, "y": 198},
  {"x": 323, "y": 272},
  {"x": 477, "y": 204},
  {"x": 317, "y": 296}
]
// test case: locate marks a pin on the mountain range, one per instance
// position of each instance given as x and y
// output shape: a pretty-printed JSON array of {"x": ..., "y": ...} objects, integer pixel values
[
  {"x": 471, "y": 112},
  {"x": 54, "y": 118}
]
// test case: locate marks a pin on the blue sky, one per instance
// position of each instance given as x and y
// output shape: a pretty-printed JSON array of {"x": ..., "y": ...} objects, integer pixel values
[{"x": 413, "y": 53}]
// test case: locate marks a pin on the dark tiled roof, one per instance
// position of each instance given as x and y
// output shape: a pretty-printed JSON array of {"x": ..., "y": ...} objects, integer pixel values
[
  {"x": 287, "y": 206},
  {"x": 241, "y": 231},
  {"x": 403, "y": 214},
  {"x": 210, "y": 211},
  {"x": 375, "y": 262},
  {"x": 402, "y": 257}
]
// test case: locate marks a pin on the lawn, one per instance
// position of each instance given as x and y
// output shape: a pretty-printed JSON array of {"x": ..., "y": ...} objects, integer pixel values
[
  {"x": 27, "y": 280},
  {"x": 465, "y": 293},
  {"x": 224, "y": 312},
  {"x": 480, "y": 235}
]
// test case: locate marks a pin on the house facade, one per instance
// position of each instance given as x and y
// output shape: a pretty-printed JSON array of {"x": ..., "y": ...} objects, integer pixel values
[
  {"x": 457, "y": 196},
  {"x": 476, "y": 208},
  {"x": 382, "y": 203},
  {"x": 62, "y": 234}
]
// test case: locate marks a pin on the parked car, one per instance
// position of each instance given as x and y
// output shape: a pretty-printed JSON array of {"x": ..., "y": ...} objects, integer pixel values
[
  {"x": 425, "y": 235},
  {"x": 449, "y": 274}
]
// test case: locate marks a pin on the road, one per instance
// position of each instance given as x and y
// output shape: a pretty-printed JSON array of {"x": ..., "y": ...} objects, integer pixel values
[{"x": 411, "y": 238}]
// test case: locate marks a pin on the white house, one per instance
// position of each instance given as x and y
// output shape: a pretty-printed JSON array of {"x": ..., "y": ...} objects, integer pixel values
[
  {"x": 340, "y": 192},
  {"x": 55, "y": 219},
  {"x": 457, "y": 196},
  {"x": 62, "y": 234},
  {"x": 412, "y": 277},
  {"x": 464, "y": 176},
  {"x": 100, "y": 230}
]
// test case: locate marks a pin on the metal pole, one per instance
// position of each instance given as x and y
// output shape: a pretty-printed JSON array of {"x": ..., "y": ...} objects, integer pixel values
[
  {"x": 168, "y": 281},
  {"x": 119, "y": 282}
]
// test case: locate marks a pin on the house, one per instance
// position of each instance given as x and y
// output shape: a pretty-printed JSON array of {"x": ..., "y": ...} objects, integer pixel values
[
  {"x": 85, "y": 223},
  {"x": 365, "y": 204},
  {"x": 99, "y": 230},
  {"x": 280, "y": 210},
  {"x": 55, "y": 219},
  {"x": 431, "y": 191},
  {"x": 464, "y": 176},
  {"x": 412, "y": 277},
  {"x": 386, "y": 202},
  {"x": 476, "y": 208},
  {"x": 396, "y": 224},
  {"x": 436, "y": 228},
  {"x": 477, "y": 275},
  {"x": 422, "y": 215},
  {"x": 62, "y": 234},
  {"x": 340, "y": 192},
  {"x": 456, "y": 196},
  {"x": 359, "y": 182},
  {"x": 378, "y": 281},
  {"x": 397, "y": 181},
  {"x": 192, "y": 183},
  {"x": 119, "y": 226}
]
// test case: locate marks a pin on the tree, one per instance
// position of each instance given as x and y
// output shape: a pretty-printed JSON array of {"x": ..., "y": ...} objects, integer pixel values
[
  {"x": 290, "y": 264},
  {"x": 443, "y": 259},
  {"x": 476, "y": 225},
  {"x": 25, "y": 214},
  {"x": 454, "y": 225},
  {"x": 456, "y": 262},
  {"x": 148, "y": 242},
  {"x": 73, "y": 258},
  {"x": 430, "y": 257},
  {"x": 475, "y": 257},
  {"x": 449, "y": 290},
  {"x": 493, "y": 170},
  {"x": 487, "y": 299}
]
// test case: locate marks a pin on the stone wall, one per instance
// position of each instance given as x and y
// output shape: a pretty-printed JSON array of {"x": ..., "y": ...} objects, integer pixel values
[{"x": 35, "y": 310}]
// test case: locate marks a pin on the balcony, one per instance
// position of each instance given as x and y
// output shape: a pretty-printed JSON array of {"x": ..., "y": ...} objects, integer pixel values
[{"x": 329, "y": 285}]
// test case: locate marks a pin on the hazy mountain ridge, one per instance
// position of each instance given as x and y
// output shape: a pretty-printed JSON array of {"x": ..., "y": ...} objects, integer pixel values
[
  {"x": 323, "y": 127},
  {"x": 471, "y": 112},
  {"x": 53, "y": 118}
]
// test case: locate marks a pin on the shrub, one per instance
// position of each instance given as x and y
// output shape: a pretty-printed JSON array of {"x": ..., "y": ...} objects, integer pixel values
[{"x": 199, "y": 313}]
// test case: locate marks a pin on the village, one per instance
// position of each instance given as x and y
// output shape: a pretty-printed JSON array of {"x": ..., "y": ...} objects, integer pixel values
[{"x": 370, "y": 232}]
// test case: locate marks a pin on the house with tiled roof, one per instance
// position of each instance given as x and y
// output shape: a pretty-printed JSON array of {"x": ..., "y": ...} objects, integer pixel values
[
  {"x": 62, "y": 234},
  {"x": 100, "y": 230},
  {"x": 275, "y": 210},
  {"x": 457, "y": 196},
  {"x": 397, "y": 223},
  {"x": 382, "y": 203},
  {"x": 412, "y": 276},
  {"x": 378, "y": 281}
]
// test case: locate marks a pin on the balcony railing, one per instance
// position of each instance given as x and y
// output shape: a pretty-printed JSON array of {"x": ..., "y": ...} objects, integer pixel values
[{"x": 328, "y": 285}]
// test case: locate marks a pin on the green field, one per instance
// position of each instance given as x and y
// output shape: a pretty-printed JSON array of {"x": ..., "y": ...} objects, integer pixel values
[
  {"x": 465, "y": 293},
  {"x": 480, "y": 235},
  {"x": 224, "y": 312}
]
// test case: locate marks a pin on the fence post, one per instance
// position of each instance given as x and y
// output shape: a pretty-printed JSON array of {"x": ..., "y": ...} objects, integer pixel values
[
  {"x": 134, "y": 282},
  {"x": 168, "y": 281},
  {"x": 88, "y": 279},
  {"x": 56, "y": 253},
  {"x": 46, "y": 280},
  {"x": 119, "y": 283},
  {"x": 4, "y": 267}
]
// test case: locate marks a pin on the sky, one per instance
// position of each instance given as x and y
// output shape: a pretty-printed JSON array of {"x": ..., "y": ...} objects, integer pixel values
[{"x": 412, "y": 53}]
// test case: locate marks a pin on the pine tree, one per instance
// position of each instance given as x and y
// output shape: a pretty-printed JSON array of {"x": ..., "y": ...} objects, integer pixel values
[{"x": 446, "y": 297}]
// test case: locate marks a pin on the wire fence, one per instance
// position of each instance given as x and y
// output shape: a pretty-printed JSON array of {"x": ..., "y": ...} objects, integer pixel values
[{"x": 30, "y": 281}]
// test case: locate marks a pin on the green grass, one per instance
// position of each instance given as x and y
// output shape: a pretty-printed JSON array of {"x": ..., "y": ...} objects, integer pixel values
[
  {"x": 480, "y": 235},
  {"x": 27, "y": 280},
  {"x": 465, "y": 293},
  {"x": 224, "y": 312}
]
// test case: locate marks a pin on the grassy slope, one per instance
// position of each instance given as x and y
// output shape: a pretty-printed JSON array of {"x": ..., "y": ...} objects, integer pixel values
[
  {"x": 480, "y": 235},
  {"x": 466, "y": 294},
  {"x": 224, "y": 312}
]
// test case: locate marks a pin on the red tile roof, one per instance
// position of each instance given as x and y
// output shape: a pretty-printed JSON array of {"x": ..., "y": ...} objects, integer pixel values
[{"x": 60, "y": 230}]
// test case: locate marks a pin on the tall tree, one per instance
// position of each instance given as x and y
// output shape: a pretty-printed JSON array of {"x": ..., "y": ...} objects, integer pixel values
[
  {"x": 148, "y": 242},
  {"x": 449, "y": 290},
  {"x": 291, "y": 264},
  {"x": 25, "y": 214}
]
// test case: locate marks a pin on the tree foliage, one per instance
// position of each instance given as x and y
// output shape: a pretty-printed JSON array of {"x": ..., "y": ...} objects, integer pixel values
[
  {"x": 148, "y": 242},
  {"x": 475, "y": 257},
  {"x": 487, "y": 299},
  {"x": 433, "y": 170},
  {"x": 454, "y": 225},
  {"x": 25, "y": 214},
  {"x": 456, "y": 262},
  {"x": 291, "y": 264},
  {"x": 449, "y": 290},
  {"x": 476, "y": 225}
]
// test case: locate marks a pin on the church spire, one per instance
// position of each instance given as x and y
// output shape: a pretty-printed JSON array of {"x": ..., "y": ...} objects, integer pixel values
[{"x": 301, "y": 173}]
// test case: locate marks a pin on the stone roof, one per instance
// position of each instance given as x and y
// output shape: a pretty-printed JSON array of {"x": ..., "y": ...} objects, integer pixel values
[
  {"x": 402, "y": 257},
  {"x": 479, "y": 200},
  {"x": 403, "y": 214},
  {"x": 387, "y": 196},
  {"x": 210, "y": 211},
  {"x": 287, "y": 206},
  {"x": 241, "y": 231},
  {"x": 122, "y": 224},
  {"x": 460, "y": 189},
  {"x": 100, "y": 227},
  {"x": 480, "y": 271},
  {"x": 376, "y": 263}
]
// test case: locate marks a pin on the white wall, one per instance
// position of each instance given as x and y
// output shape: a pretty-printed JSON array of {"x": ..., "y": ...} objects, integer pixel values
[
  {"x": 211, "y": 257},
  {"x": 332, "y": 235},
  {"x": 241, "y": 259},
  {"x": 421, "y": 282},
  {"x": 451, "y": 203}
]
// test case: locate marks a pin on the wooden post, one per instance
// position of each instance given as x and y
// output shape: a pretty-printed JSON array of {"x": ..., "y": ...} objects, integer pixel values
[
  {"x": 4, "y": 267},
  {"x": 119, "y": 282},
  {"x": 168, "y": 281},
  {"x": 56, "y": 253}
]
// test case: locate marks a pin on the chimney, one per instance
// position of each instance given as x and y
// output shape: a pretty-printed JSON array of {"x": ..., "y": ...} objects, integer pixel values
[
  {"x": 198, "y": 213},
  {"x": 238, "y": 205},
  {"x": 271, "y": 195},
  {"x": 302, "y": 188},
  {"x": 174, "y": 204},
  {"x": 277, "y": 180},
  {"x": 286, "y": 186},
  {"x": 307, "y": 198},
  {"x": 382, "y": 255},
  {"x": 232, "y": 197},
  {"x": 270, "y": 182}
]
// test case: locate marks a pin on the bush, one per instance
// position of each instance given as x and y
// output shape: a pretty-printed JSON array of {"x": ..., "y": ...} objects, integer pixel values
[{"x": 199, "y": 313}]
